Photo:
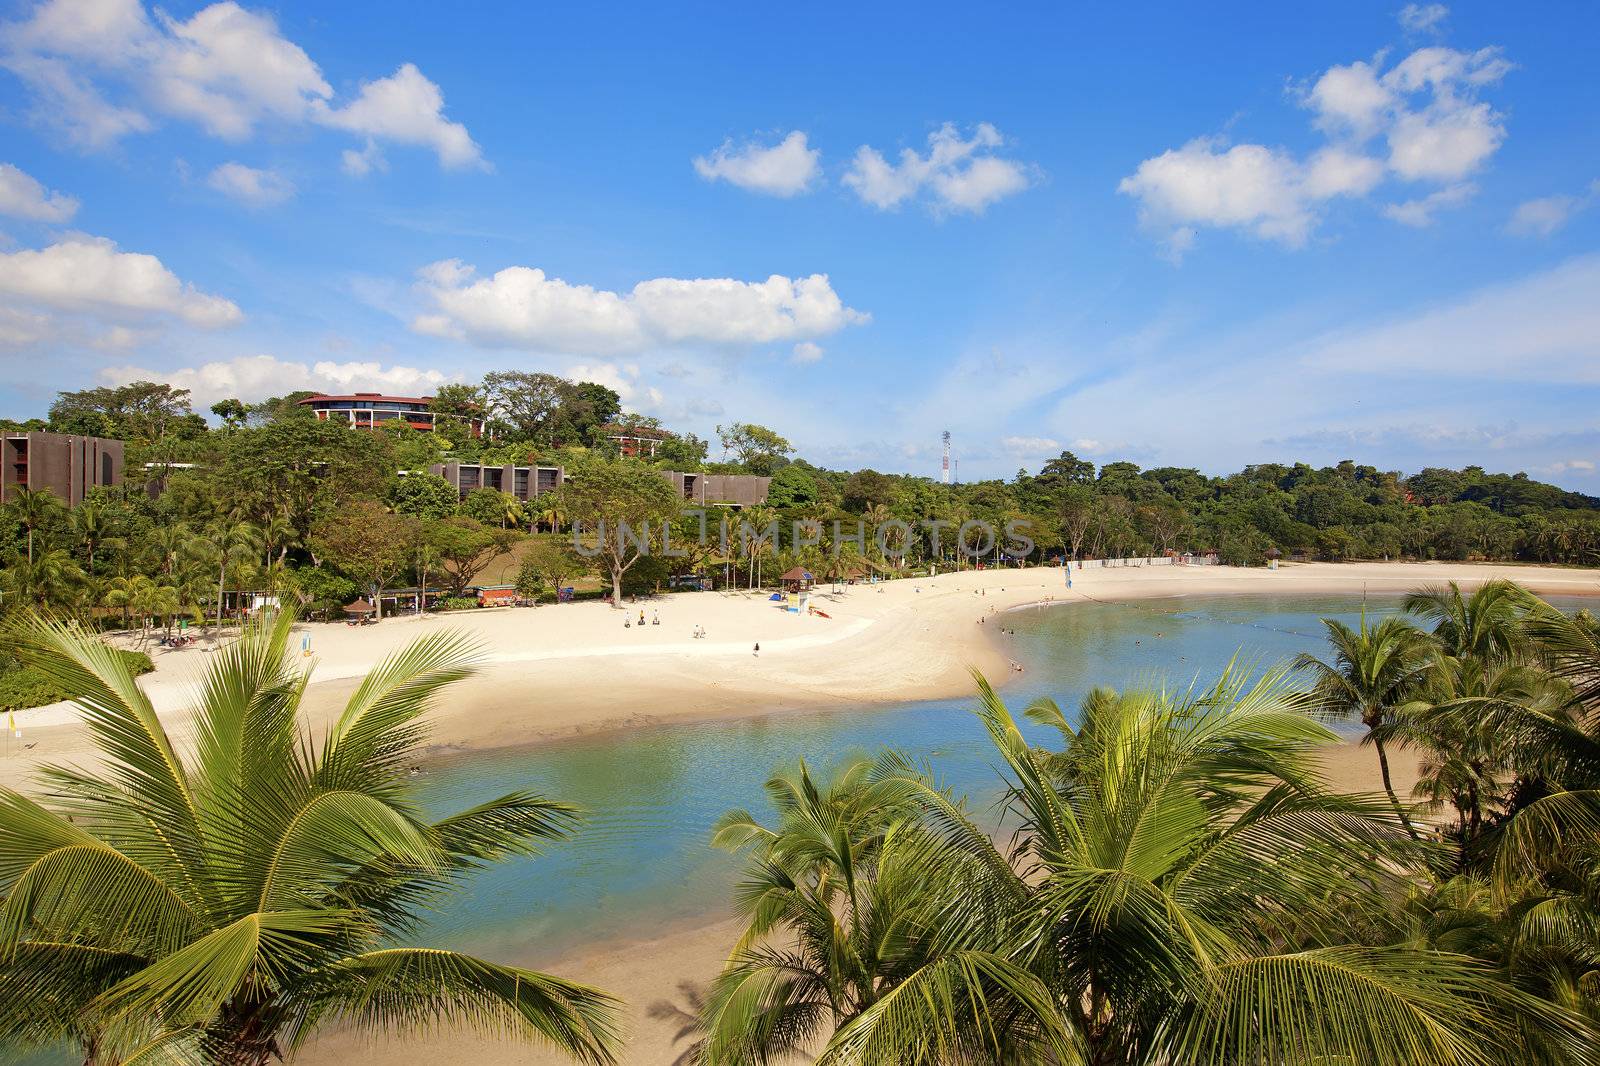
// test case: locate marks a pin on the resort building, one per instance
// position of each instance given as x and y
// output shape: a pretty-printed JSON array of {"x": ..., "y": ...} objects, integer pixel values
[
  {"x": 523, "y": 482},
  {"x": 65, "y": 463},
  {"x": 636, "y": 441},
  {"x": 725, "y": 490},
  {"x": 527, "y": 482},
  {"x": 367, "y": 410}
]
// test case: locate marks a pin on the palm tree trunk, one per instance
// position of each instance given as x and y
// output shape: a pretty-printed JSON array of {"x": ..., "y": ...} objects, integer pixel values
[{"x": 1388, "y": 787}]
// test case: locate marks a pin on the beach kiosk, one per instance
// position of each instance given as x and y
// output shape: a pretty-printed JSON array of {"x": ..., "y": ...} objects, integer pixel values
[
  {"x": 797, "y": 579},
  {"x": 360, "y": 611}
]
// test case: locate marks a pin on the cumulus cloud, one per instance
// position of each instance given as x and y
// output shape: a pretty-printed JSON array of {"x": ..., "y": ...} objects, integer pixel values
[
  {"x": 1542, "y": 217},
  {"x": 1572, "y": 466},
  {"x": 256, "y": 377},
  {"x": 1422, "y": 18},
  {"x": 1265, "y": 191},
  {"x": 522, "y": 307},
  {"x": 1426, "y": 107},
  {"x": 227, "y": 69},
  {"x": 368, "y": 160},
  {"x": 807, "y": 352},
  {"x": 956, "y": 174},
  {"x": 787, "y": 168},
  {"x": 405, "y": 108},
  {"x": 21, "y": 196},
  {"x": 84, "y": 279},
  {"x": 1420, "y": 212},
  {"x": 249, "y": 186}
]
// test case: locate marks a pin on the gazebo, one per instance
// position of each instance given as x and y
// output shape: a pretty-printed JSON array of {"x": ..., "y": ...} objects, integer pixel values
[
  {"x": 360, "y": 608},
  {"x": 797, "y": 579}
]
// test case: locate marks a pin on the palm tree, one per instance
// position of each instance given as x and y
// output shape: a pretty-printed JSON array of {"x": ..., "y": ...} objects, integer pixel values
[
  {"x": 236, "y": 544},
  {"x": 835, "y": 908},
  {"x": 47, "y": 581},
  {"x": 1487, "y": 624},
  {"x": 92, "y": 526},
  {"x": 512, "y": 514},
  {"x": 758, "y": 518},
  {"x": 243, "y": 896},
  {"x": 34, "y": 508},
  {"x": 1465, "y": 720},
  {"x": 1179, "y": 880},
  {"x": 1376, "y": 670}
]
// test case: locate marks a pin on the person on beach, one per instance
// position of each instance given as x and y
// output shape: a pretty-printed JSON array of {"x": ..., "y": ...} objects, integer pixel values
[{"x": 757, "y": 652}]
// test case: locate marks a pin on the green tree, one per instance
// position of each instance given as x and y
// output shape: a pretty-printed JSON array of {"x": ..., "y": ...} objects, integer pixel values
[
  {"x": 613, "y": 502},
  {"x": 233, "y": 413},
  {"x": 1375, "y": 672},
  {"x": 33, "y": 509},
  {"x": 141, "y": 410},
  {"x": 239, "y": 898},
  {"x": 423, "y": 495},
  {"x": 367, "y": 542},
  {"x": 464, "y": 547},
  {"x": 303, "y": 469},
  {"x": 756, "y": 448}
]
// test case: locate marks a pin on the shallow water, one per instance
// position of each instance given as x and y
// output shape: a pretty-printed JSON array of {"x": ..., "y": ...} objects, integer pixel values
[{"x": 641, "y": 862}]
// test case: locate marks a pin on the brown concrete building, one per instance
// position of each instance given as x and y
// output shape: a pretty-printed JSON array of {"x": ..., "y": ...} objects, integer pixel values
[
  {"x": 726, "y": 490},
  {"x": 65, "y": 463},
  {"x": 527, "y": 482},
  {"x": 523, "y": 482}
]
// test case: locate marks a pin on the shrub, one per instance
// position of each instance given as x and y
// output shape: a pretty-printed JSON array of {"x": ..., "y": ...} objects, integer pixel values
[
  {"x": 460, "y": 603},
  {"x": 22, "y": 686}
]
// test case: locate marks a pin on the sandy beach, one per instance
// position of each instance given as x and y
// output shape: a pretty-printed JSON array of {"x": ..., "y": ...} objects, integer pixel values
[{"x": 559, "y": 671}]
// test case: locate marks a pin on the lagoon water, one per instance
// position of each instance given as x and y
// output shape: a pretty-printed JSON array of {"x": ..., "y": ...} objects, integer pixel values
[{"x": 642, "y": 862}]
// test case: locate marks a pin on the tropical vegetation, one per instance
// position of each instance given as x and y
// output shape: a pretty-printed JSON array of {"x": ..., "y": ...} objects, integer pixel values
[
  {"x": 1172, "y": 880},
  {"x": 223, "y": 905}
]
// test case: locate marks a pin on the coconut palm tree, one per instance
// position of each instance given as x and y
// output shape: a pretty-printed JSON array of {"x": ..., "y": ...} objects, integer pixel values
[
  {"x": 92, "y": 526},
  {"x": 1486, "y": 624},
  {"x": 233, "y": 544},
  {"x": 835, "y": 910},
  {"x": 47, "y": 581},
  {"x": 242, "y": 896},
  {"x": 1180, "y": 881},
  {"x": 1376, "y": 670},
  {"x": 34, "y": 508}
]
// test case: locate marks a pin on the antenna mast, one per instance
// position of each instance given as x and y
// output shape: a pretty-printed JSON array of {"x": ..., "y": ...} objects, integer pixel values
[{"x": 945, "y": 473}]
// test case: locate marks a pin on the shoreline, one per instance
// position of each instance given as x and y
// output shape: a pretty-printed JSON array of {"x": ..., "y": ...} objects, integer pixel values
[{"x": 560, "y": 672}]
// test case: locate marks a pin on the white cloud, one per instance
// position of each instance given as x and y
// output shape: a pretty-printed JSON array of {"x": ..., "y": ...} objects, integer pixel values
[
  {"x": 406, "y": 108},
  {"x": 87, "y": 278},
  {"x": 227, "y": 69},
  {"x": 1573, "y": 466},
  {"x": 360, "y": 164},
  {"x": 1425, "y": 107},
  {"x": 1088, "y": 445},
  {"x": 1422, "y": 18},
  {"x": 256, "y": 377},
  {"x": 1419, "y": 212},
  {"x": 957, "y": 174},
  {"x": 251, "y": 187},
  {"x": 784, "y": 169},
  {"x": 1249, "y": 186},
  {"x": 521, "y": 307},
  {"x": 807, "y": 352},
  {"x": 23, "y": 197},
  {"x": 1031, "y": 447},
  {"x": 1547, "y": 214}
]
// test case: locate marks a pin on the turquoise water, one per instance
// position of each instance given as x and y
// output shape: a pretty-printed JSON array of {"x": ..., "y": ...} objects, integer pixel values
[{"x": 651, "y": 795}]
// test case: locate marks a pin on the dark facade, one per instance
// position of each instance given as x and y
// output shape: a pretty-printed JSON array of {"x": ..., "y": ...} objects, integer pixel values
[
  {"x": 523, "y": 482},
  {"x": 527, "y": 482},
  {"x": 66, "y": 464},
  {"x": 728, "y": 490}
]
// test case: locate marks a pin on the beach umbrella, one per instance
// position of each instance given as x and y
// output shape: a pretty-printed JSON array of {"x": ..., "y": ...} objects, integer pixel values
[{"x": 360, "y": 606}]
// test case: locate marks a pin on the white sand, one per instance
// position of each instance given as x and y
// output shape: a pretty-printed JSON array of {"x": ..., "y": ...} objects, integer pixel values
[{"x": 560, "y": 670}]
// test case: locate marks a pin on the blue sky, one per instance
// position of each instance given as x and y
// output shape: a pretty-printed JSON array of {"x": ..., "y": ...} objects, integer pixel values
[{"x": 1173, "y": 234}]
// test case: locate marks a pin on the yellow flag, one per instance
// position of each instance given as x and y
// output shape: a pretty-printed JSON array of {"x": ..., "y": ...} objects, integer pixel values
[{"x": 11, "y": 721}]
